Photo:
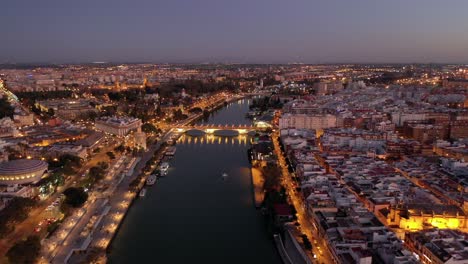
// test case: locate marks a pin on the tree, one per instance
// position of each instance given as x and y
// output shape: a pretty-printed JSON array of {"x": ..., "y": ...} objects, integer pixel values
[
  {"x": 206, "y": 114},
  {"x": 111, "y": 155},
  {"x": 44, "y": 95},
  {"x": 109, "y": 110},
  {"x": 116, "y": 96},
  {"x": 103, "y": 165},
  {"x": 196, "y": 110},
  {"x": 68, "y": 169},
  {"x": 178, "y": 115},
  {"x": 53, "y": 226},
  {"x": 6, "y": 110},
  {"x": 120, "y": 148},
  {"x": 95, "y": 256},
  {"x": 75, "y": 197},
  {"x": 66, "y": 160},
  {"x": 36, "y": 110},
  {"x": 51, "y": 112},
  {"x": 149, "y": 128},
  {"x": 306, "y": 242},
  {"x": 26, "y": 251},
  {"x": 96, "y": 173},
  {"x": 159, "y": 111},
  {"x": 16, "y": 211},
  {"x": 91, "y": 115},
  {"x": 272, "y": 174}
]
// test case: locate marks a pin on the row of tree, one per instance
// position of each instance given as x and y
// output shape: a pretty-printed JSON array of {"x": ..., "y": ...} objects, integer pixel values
[
  {"x": 95, "y": 174},
  {"x": 25, "y": 251},
  {"x": 196, "y": 87},
  {"x": 134, "y": 184},
  {"x": 29, "y": 98},
  {"x": 67, "y": 164},
  {"x": 265, "y": 103},
  {"x": 6, "y": 110},
  {"x": 15, "y": 212}
]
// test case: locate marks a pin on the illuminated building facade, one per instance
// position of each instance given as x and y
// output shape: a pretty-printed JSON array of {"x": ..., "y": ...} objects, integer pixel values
[
  {"x": 119, "y": 126},
  {"x": 413, "y": 217},
  {"x": 438, "y": 246},
  {"x": 22, "y": 171}
]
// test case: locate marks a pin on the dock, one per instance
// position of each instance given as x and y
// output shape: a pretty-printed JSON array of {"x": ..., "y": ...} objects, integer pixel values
[{"x": 170, "y": 151}]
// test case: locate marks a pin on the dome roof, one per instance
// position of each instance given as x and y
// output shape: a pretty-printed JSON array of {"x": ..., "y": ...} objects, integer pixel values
[{"x": 21, "y": 166}]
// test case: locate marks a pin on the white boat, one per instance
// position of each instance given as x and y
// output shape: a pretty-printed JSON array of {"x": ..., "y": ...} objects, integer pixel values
[
  {"x": 224, "y": 175},
  {"x": 164, "y": 167},
  {"x": 143, "y": 192},
  {"x": 151, "y": 180}
]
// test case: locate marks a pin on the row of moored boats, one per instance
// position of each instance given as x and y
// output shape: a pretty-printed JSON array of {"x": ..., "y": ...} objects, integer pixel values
[
  {"x": 161, "y": 171},
  {"x": 151, "y": 180}
]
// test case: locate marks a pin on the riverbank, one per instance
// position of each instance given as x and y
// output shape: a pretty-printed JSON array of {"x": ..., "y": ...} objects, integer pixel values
[
  {"x": 126, "y": 198},
  {"x": 194, "y": 215},
  {"x": 112, "y": 214},
  {"x": 257, "y": 183}
]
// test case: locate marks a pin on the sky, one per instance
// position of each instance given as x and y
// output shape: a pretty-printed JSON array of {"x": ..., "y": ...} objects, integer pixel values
[{"x": 240, "y": 31}]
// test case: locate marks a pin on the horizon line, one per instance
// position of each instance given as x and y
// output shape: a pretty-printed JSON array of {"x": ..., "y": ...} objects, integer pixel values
[{"x": 231, "y": 63}]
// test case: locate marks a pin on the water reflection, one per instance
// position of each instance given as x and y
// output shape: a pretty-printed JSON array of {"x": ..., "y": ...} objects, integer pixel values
[{"x": 210, "y": 139}]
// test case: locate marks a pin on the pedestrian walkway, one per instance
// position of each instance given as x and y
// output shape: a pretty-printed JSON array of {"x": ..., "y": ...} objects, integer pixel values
[{"x": 258, "y": 181}]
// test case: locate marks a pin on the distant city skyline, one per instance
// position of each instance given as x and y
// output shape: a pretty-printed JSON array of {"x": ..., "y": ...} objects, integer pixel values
[{"x": 210, "y": 31}]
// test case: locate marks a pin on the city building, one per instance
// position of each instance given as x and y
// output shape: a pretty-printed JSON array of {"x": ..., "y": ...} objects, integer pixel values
[
  {"x": 24, "y": 119},
  {"x": 8, "y": 128},
  {"x": 69, "y": 109},
  {"x": 328, "y": 87},
  {"x": 119, "y": 126},
  {"x": 413, "y": 217},
  {"x": 455, "y": 83},
  {"x": 22, "y": 171},
  {"x": 305, "y": 121},
  {"x": 439, "y": 246},
  {"x": 140, "y": 140}
]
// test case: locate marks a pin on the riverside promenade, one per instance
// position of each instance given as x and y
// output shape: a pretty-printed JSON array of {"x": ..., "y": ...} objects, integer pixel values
[
  {"x": 118, "y": 204},
  {"x": 258, "y": 181}
]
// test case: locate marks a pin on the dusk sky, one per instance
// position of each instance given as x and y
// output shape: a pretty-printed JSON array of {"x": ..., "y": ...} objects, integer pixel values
[{"x": 244, "y": 31}]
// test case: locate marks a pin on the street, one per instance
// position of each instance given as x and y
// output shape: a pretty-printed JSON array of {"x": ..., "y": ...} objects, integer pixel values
[{"x": 320, "y": 247}]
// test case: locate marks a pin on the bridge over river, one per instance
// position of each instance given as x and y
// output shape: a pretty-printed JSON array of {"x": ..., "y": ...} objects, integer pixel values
[
  {"x": 212, "y": 129},
  {"x": 187, "y": 217}
]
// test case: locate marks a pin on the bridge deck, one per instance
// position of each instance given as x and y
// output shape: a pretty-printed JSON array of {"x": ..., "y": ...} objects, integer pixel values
[{"x": 217, "y": 127}]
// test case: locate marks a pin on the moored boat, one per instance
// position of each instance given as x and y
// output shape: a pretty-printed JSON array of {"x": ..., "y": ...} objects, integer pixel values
[
  {"x": 164, "y": 168},
  {"x": 151, "y": 180}
]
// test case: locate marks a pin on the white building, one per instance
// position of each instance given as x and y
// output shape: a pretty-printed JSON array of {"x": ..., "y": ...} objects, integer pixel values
[
  {"x": 328, "y": 87},
  {"x": 8, "y": 128},
  {"x": 76, "y": 150},
  {"x": 303, "y": 121},
  {"x": 140, "y": 140},
  {"x": 24, "y": 119},
  {"x": 120, "y": 126},
  {"x": 400, "y": 118}
]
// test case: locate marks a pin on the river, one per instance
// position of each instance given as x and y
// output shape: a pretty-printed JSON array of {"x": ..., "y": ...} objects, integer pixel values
[{"x": 194, "y": 216}]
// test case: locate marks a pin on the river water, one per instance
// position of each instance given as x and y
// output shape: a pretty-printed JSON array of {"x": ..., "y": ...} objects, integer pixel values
[{"x": 194, "y": 216}]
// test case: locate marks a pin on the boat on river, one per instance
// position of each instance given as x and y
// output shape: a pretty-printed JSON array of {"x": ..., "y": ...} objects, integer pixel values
[
  {"x": 164, "y": 168},
  {"x": 142, "y": 192},
  {"x": 151, "y": 180}
]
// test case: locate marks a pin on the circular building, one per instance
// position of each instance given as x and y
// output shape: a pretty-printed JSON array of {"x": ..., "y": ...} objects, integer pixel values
[{"x": 22, "y": 171}]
